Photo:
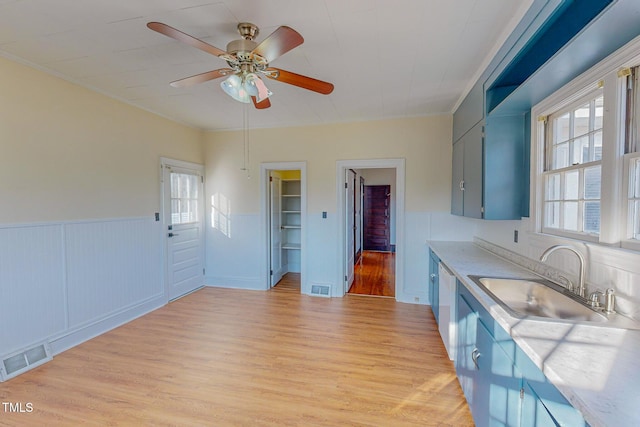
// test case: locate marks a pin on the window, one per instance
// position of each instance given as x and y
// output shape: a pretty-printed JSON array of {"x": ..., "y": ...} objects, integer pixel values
[
  {"x": 184, "y": 198},
  {"x": 633, "y": 202},
  {"x": 586, "y": 156},
  {"x": 572, "y": 176}
]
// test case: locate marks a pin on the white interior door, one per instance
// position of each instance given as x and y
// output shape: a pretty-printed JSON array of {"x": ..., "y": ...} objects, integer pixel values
[
  {"x": 350, "y": 228},
  {"x": 183, "y": 204},
  {"x": 276, "y": 230}
]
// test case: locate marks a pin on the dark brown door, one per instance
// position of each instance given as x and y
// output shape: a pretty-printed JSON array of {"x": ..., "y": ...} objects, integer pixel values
[{"x": 377, "y": 227}]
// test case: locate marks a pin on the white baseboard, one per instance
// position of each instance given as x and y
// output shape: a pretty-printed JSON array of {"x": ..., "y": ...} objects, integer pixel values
[
  {"x": 250, "y": 283},
  {"x": 69, "y": 340}
]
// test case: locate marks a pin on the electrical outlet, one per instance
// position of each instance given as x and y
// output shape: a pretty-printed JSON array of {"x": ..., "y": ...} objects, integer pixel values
[{"x": 515, "y": 236}]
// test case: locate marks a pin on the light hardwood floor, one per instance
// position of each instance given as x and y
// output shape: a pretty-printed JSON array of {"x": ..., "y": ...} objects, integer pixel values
[{"x": 224, "y": 357}]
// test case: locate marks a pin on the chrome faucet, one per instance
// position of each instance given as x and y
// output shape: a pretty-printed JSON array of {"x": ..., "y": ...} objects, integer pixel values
[{"x": 581, "y": 291}]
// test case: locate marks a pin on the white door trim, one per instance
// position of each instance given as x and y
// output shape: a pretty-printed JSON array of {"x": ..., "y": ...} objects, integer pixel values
[
  {"x": 399, "y": 166},
  {"x": 265, "y": 168},
  {"x": 178, "y": 164}
]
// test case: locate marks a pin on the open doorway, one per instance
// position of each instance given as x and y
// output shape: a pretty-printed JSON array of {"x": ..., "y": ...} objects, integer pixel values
[
  {"x": 372, "y": 202},
  {"x": 374, "y": 267},
  {"x": 284, "y": 202}
]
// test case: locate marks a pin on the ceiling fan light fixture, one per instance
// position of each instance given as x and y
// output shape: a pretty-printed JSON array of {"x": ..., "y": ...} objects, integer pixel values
[
  {"x": 256, "y": 87},
  {"x": 234, "y": 87}
]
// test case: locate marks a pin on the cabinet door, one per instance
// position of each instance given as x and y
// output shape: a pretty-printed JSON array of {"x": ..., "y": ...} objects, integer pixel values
[
  {"x": 473, "y": 171},
  {"x": 457, "y": 194},
  {"x": 467, "y": 174},
  {"x": 498, "y": 383},
  {"x": 467, "y": 320},
  {"x": 534, "y": 413}
]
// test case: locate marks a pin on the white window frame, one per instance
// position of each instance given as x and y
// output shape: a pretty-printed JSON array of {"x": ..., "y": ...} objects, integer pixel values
[
  {"x": 629, "y": 242},
  {"x": 614, "y": 220},
  {"x": 588, "y": 96}
]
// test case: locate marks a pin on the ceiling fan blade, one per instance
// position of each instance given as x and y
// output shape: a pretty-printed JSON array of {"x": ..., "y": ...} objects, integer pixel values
[
  {"x": 185, "y": 38},
  {"x": 278, "y": 43},
  {"x": 299, "y": 80},
  {"x": 201, "y": 78},
  {"x": 265, "y": 103}
]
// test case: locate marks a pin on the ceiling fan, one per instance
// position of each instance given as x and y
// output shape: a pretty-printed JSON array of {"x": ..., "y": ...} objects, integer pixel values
[{"x": 247, "y": 61}]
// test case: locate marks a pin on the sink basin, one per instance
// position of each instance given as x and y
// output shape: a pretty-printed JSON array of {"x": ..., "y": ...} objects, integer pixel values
[{"x": 537, "y": 298}]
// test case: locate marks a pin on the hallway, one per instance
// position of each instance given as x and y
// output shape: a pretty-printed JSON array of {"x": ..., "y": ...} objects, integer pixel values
[{"x": 375, "y": 275}]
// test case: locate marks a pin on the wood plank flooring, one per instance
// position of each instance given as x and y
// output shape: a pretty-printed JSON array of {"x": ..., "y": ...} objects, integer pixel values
[
  {"x": 290, "y": 282},
  {"x": 228, "y": 357},
  {"x": 375, "y": 274}
]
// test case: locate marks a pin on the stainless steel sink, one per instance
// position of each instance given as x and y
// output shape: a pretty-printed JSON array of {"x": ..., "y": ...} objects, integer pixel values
[{"x": 536, "y": 297}]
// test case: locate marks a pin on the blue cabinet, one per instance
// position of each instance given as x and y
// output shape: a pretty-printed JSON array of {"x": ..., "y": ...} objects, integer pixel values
[
  {"x": 465, "y": 353},
  {"x": 487, "y": 178},
  {"x": 497, "y": 402},
  {"x": 503, "y": 387},
  {"x": 489, "y": 379},
  {"x": 434, "y": 296},
  {"x": 467, "y": 182},
  {"x": 470, "y": 112}
]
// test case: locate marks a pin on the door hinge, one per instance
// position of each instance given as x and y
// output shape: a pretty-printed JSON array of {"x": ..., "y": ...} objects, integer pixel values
[
  {"x": 346, "y": 278},
  {"x": 522, "y": 393},
  {"x": 270, "y": 179},
  {"x": 346, "y": 185},
  {"x": 271, "y": 272},
  {"x": 203, "y": 271},
  {"x": 202, "y": 179}
]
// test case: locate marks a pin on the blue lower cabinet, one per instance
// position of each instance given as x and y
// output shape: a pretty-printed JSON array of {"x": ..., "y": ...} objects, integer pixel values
[
  {"x": 542, "y": 403},
  {"x": 466, "y": 371},
  {"x": 534, "y": 412},
  {"x": 490, "y": 381},
  {"x": 503, "y": 387},
  {"x": 497, "y": 402}
]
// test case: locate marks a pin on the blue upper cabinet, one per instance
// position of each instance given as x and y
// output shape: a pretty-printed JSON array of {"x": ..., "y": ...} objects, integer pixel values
[
  {"x": 469, "y": 113},
  {"x": 556, "y": 41}
]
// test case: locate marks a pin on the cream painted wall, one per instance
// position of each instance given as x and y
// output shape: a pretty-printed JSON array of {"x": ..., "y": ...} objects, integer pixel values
[
  {"x": 424, "y": 142},
  {"x": 237, "y": 259},
  {"x": 69, "y": 153}
]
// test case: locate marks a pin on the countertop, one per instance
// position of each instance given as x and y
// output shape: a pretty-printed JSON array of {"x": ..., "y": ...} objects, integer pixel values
[{"x": 596, "y": 368}]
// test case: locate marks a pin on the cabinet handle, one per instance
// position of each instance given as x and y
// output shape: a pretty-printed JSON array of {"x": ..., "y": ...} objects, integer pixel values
[
  {"x": 475, "y": 355},
  {"x": 462, "y": 185},
  {"x": 433, "y": 277}
]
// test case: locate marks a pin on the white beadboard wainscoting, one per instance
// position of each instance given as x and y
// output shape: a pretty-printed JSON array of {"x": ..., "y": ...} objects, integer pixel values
[
  {"x": 67, "y": 282},
  {"x": 236, "y": 255}
]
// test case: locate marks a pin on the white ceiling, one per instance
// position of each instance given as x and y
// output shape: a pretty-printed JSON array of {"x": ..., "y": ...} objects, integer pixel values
[{"x": 386, "y": 58}]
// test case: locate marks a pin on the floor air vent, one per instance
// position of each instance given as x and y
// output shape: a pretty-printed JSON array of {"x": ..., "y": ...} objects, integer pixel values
[
  {"x": 24, "y": 361},
  {"x": 321, "y": 290}
]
